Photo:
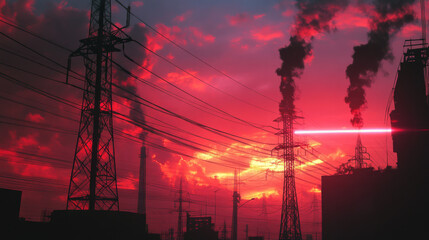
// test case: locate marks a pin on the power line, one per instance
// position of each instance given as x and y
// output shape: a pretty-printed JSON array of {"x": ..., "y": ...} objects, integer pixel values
[
  {"x": 193, "y": 55},
  {"x": 157, "y": 107}
]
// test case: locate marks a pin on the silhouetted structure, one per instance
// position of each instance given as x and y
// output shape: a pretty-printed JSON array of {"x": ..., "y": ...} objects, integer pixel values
[
  {"x": 235, "y": 201},
  {"x": 290, "y": 226},
  {"x": 10, "y": 204},
  {"x": 180, "y": 215},
  {"x": 224, "y": 232},
  {"x": 411, "y": 114},
  {"x": 93, "y": 184},
  {"x": 388, "y": 204},
  {"x": 88, "y": 225},
  {"x": 359, "y": 160},
  {"x": 141, "y": 200},
  {"x": 256, "y": 238},
  {"x": 200, "y": 228},
  {"x": 72, "y": 224}
]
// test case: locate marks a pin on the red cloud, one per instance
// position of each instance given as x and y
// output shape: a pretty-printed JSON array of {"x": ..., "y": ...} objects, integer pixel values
[
  {"x": 267, "y": 33},
  {"x": 239, "y": 18},
  {"x": 136, "y": 4},
  {"x": 351, "y": 18},
  {"x": 258, "y": 16},
  {"x": 411, "y": 30},
  {"x": 200, "y": 36},
  {"x": 26, "y": 141},
  {"x": 183, "y": 17},
  {"x": 183, "y": 79},
  {"x": 192, "y": 171},
  {"x": 37, "y": 118},
  {"x": 156, "y": 43},
  {"x": 128, "y": 183}
]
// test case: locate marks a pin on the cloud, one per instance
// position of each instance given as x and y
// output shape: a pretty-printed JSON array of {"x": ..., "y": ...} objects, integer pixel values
[
  {"x": 200, "y": 37},
  {"x": 185, "y": 80},
  {"x": 351, "y": 18},
  {"x": 191, "y": 170},
  {"x": 258, "y": 16},
  {"x": 37, "y": 118},
  {"x": 137, "y": 4},
  {"x": 128, "y": 183},
  {"x": 240, "y": 18},
  {"x": 183, "y": 17},
  {"x": 261, "y": 194},
  {"x": 267, "y": 33}
]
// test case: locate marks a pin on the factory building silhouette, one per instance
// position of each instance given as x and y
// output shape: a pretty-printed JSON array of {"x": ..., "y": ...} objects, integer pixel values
[{"x": 390, "y": 203}]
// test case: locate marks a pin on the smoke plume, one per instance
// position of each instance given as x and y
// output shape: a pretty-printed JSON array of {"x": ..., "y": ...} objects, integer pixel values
[
  {"x": 387, "y": 18},
  {"x": 138, "y": 33},
  {"x": 313, "y": 17}
]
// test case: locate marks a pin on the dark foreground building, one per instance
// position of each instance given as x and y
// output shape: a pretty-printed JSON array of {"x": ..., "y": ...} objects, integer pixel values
[
  {"x": 200, "y": 228},
  {"x": 70, "y": 224},
  {"x": 390, "y": 203}
]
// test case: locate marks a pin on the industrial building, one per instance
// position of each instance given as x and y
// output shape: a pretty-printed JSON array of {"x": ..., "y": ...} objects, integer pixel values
[
  {"x": 200, "y": 228},
  {"x": 392, "y": 203},
  {"x": 78, "y": 224}
]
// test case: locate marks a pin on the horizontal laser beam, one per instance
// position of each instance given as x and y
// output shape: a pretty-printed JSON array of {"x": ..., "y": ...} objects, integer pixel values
[{"x": 342, "y": 131}]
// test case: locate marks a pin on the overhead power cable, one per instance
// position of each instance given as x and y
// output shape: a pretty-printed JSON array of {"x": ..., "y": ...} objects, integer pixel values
[{"x": 195, "y": 56}]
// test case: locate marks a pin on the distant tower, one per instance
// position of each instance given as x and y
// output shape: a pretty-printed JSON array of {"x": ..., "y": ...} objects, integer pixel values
[
  {"x": 224, "y": 231},
  {"x": 93, "y": 184},
  {"x": 290, "y": 226},
  {"x": 141, "y": 204},
  {"x": 315, "y": 208},
  {"x": 265, "y": 225},
  {"x": 359, "y": 160},
  {"x": 180, "y": 218},
  {"x": 235, "y": 202},
  {"x": 361, "y": 155}
]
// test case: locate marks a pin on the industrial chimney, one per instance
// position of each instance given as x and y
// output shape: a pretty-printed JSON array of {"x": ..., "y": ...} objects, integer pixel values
[{"x": 141, "y": 205}]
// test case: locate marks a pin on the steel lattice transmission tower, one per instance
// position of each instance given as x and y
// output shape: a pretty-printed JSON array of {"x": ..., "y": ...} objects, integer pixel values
[
  {"x": 290, "y": 227},
  {"x": 93, "y": 184}
]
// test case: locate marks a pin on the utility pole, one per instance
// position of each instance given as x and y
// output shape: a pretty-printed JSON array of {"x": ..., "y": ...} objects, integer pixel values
[
  {"x": 235, "y": 202},
  {"x": 247, "y": 231},
  {"x": 93, "y": 183}
]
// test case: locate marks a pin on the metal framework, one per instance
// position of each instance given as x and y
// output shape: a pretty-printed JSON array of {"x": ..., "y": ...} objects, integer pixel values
[
  {"x": 235, "y": 201},
  {"x": 290, "y": 227},
  {"x": 359, "y": 160},
  {"x": 93, "y": 183},
  {"x": 180, "y": 217}
]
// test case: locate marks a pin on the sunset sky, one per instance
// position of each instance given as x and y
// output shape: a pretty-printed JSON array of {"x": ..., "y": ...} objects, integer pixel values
[{"x": 229, "y": 51}]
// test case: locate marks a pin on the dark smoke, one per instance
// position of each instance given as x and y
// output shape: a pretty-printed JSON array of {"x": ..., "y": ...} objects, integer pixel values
[
  {"x": 138, "y": 33},
  {"x": 293, "y": 63},
  {"x": 390, "y": 16},
  {"x": 316, "y": 15},
  {"x": 313, "y": 17}
]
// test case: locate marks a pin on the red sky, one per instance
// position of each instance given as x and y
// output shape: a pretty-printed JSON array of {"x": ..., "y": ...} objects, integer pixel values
[{"x": 242, "y": 40}]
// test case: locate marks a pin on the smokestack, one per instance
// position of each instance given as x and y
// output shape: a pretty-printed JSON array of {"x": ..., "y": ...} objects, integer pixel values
[
  {"x": 387, "y": 18},
  {"x": 141, "y": 204}
]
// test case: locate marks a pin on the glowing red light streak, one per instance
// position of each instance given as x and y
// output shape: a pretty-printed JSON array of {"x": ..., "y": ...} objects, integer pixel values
[{"x": 343, "y": 131}]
